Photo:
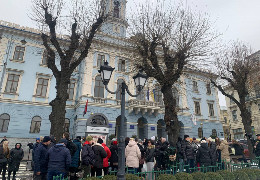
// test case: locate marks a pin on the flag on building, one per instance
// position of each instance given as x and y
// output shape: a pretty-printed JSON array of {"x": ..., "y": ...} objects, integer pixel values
[
  {"x": 194, "y": 119},
  {"x": 86, "y": 108},
  {"x": 152, "y": 94}
]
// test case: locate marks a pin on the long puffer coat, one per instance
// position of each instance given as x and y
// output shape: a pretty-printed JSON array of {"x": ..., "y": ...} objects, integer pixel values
[
  {"x": 114, "y": 154},
  {"x": 224, "y": 150},
  {"x": 213, "y": 153},
  {"x": 187, "y": 150},
  {"x": 100, "y": 154},
  {"x": 203, "y": 155},
  {"x": 132, "y": 154},
  {"x": 16, "y": 156},
  {"x": 75, "y": 158},
  {"x": 105, "y": 160}
]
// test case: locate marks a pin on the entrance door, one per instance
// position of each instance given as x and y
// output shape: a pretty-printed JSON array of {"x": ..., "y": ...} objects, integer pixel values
[{"x": 142, "y": 128}]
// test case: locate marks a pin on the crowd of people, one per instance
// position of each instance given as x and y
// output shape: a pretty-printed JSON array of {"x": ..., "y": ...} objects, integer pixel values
[{"x": 67, "y": 157}]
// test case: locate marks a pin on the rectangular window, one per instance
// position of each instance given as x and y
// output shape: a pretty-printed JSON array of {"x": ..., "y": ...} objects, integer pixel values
[
  {"x": 19, "y": 53},
  {"x": 100, "y": 60},
  {"x": 211, "y": 109},
  {"x": 208, "y": 88},
  {"x": 121, "y": 65},
  {"x": 42, "y": 86},
  {"x": 234, "y": 115},
  {"x": 12, "y": 83},
  {"x": 71, "y": 90},
  {"x": 44, "y": 57},
  {"x": 195, "y": 86},
  {"x": 197, "y": 108}
]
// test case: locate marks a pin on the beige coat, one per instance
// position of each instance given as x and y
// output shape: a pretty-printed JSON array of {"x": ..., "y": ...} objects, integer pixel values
[
  {"x": 224, "y": 151},
  {"x": 132, "y": 154}
]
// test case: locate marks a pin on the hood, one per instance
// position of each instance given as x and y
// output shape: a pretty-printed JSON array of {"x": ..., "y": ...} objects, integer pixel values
[
  {"x": 151, "y": 147},
  {"x": 16, "y": 144},
  {"x": 131, "y": 143},
  {"x": 87, "y": 142},
  {"x": 58, "y": 147},
  {"x": 204, "y": 145},
  {"x": 104, "y": 145}
]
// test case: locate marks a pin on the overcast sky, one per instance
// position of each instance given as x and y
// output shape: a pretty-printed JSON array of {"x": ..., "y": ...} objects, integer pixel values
[{"x": 236, "y": 19}]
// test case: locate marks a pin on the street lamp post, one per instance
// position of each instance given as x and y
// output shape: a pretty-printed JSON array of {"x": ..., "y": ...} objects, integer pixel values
[{"x": 140, "y": 80}]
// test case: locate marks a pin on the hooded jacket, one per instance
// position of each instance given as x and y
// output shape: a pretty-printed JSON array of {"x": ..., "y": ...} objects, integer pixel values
[
  {"x": 150, "y": 153},
  {"x": 76, "y": 156},
  {"x": 16, "y": 156},
  {"x": 114, "y": 154},
  {"x": 132, "y": 154},
  {"x": 105, "y": 160},
  {"x": 203, "y": 155},
  {"x": 87, "y": 154},
  {"x": 40, "y": 158},
  {"x": 213, "y": 153},
  {"x": 187, "y": 150},
  {"x": 58, "y": 158},
  {"x": 224, "y": 150},
  {"x": 100, "y": 154}
]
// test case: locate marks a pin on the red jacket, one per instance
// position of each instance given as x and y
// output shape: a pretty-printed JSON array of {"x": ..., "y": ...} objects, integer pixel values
[{"x": 105, "y": 160}]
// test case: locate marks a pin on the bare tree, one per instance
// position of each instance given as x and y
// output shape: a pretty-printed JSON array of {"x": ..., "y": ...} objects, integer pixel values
[
  {"x": 78, "y": 22},
  {"x": 167, "y": 40},
  {"x": 238, "y": 71}
]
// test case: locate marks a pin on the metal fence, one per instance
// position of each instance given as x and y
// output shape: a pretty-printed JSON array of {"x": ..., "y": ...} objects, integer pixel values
[{"x": 181, "y": 167}]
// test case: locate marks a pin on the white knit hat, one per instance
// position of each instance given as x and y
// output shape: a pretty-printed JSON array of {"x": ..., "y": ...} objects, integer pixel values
[{"x": 203, "y": 141}]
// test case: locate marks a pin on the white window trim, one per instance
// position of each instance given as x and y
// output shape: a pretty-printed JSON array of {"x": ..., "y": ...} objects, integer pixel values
[{"x": 44, "y": 76}]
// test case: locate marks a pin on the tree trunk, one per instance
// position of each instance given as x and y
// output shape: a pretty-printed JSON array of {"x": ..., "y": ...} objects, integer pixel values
[
  {"x": 170, "y": 116},
  {"x": 247, "y": 122},
  {"x": 57, "y": 116}
]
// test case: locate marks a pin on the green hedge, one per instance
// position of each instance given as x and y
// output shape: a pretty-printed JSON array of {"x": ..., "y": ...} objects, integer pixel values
[
  {"x": 251, "y": 174},
  {"x": 198, "y": 176},
  {"x": 240, "y": 175},
  {"x": 227, "y": 175},
  {"x": 183, "y": 176},
  {"x": 109, "y": 177},
  {"x": 257, "y": 173},
  {"x": 166, "y": 177},
  {"x": 131, "y": 177},
  {"x": 213, "y": 176}
]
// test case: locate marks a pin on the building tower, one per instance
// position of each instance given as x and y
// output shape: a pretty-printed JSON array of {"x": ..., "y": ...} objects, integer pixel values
[{"x": 116, "y": 23}]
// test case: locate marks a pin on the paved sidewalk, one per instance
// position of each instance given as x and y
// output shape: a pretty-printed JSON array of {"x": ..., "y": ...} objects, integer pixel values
[{"x": 23, "y": 173}]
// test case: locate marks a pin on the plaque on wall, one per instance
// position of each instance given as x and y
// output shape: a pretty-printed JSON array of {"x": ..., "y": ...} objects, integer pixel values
[
  {"x": 132, "y": 126},
  {"x": 152, "y": 128},
  {"x": 110, "y": 125}
]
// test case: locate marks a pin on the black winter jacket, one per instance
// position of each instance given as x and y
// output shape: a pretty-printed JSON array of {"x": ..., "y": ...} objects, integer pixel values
[
  {"x": 72, "y": 147},
  {"x": 257, "y": 149},
  {"x": 187, "y": 150},
  {"x": 16, "y": 156},
  {"x": 179, "y": 151},
  {"x": 87, "y": 155},
  {"x": 58, "y": 158},
  {"x": 114, "y": 154},
  {"x": 150, "y": 153},
  {"x": 100, "y": 154},
  {"x": 40, "y": 164},
  {"x": 213, "y": 153},
  {"x": 239, "y": 150},
  {"x": 203, "y": 155}
]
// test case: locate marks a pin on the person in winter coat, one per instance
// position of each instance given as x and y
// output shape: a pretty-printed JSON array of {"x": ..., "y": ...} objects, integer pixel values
[
  {"x": 223, "y": 147},
  {"x": 105, "y": 160},
  {"x": 40, "y": 166},
  {"x": 58, "y": 159},
  {"x": 70, "y": 145},
  {"x": 4, "y": 156},
  {"x": 142, "y": 149},
  {"x": 179, "y": 156},
  {"x": 133, "y": 155},
  {"x": 203, "y": 155},
  {"x": 87, "y": 156},
  {"x": 161, "y": 158},
  {"x": 188, "y": 152},
  {"x": 100, "y": 154},
  {"x": 149, "y": 157},
  {"x": 16, "y": 156},
  {"x": 75, "y": 159},
  {"x": 114, "y": 156},
  {"x": 35, "y": 145},
  {"x": 218, "y": 142},
  {"x": 213, "y": 153}
]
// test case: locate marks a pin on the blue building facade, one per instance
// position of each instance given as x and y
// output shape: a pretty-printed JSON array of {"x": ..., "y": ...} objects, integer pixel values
[{"x": 28, "y": 86}]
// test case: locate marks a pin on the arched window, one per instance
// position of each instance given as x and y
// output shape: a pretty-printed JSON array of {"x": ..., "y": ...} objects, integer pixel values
[
  {"x": 99, "y": 87},
  {"x": 119, "y": 85},
  {"x": 214, "y": 132},
  {"x": 67, "y": 125},
  {"x": 36, "y": 124},
  {"x": 98, "y": 120},
  {"x": 4, "y": 122},
  {"x": 116, "y": 9}
]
